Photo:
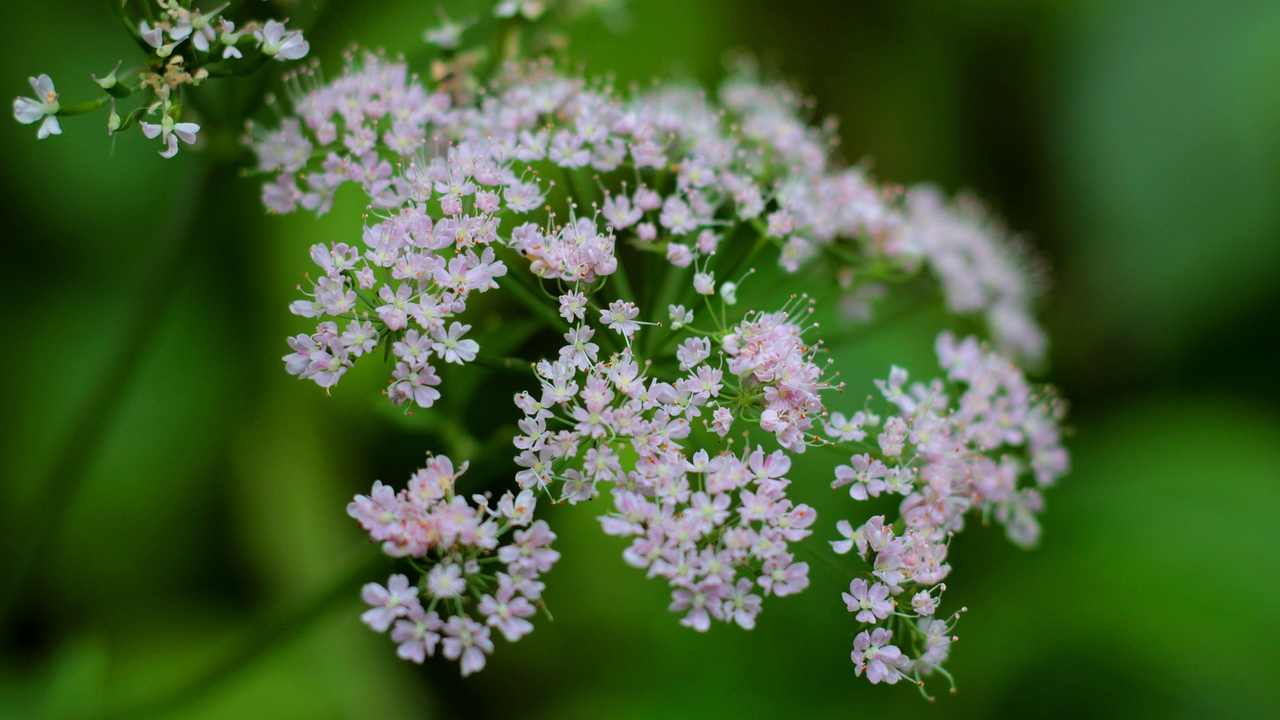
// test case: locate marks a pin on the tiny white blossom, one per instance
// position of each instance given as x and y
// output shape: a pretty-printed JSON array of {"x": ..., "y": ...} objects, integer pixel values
[
  {"x": 170, "y": 133},
  {"x": 44, "y": 107}
]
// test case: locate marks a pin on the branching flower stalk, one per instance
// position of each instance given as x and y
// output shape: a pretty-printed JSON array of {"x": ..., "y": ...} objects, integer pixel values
[
  {"x": 182, "y": 46},
  {"x": 631, "y": 224}
]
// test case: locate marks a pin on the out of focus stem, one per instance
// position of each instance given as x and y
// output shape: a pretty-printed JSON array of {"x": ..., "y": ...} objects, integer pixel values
[
  {"x": 270, "y": 633},
  {"x": 56, "y": 490}
]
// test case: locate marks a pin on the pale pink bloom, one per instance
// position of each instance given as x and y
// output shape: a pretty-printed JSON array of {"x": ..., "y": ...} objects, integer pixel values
[
  {"x": 679, "y": 254},
  {"x": 742, "y": 605},
  {"x": 445, "y": 581},
  {"x": 704, "y": 283},
  {"x": 874, "y": 655},
  {"x": 701, "y": 603},
  {"x": 466, "y": 639},
  {"x": 388, "y": 603},
  {"x": 507, "y": 611},
  {"x": 781, "y": 576},
  {"x": 452, "y": 347},
  {"x": 573, "y": 305},
  {"x": 924, "y": 603},
  {"x": 531, "y": 550},
  {"x": 871, "y": 603},
  {"x": 620, "y": 316},
  {"x": 416, "y": 635},
  {"x": 280, "y": 43}
]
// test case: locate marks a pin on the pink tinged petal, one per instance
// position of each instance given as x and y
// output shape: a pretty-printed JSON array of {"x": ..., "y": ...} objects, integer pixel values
[
  {"x": 413, "y": 651},
  {"x": 472, "y": 661},
  {"x": 378, "y": 618},
  {"x": 373, "y": 594},
  {"x": 150, "y": 130}
]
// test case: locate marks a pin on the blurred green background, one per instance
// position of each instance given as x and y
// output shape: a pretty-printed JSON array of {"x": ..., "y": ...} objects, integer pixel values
[{"x": 192, "y": 492}]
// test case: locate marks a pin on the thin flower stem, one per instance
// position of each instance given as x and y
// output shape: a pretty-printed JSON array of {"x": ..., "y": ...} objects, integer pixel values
[
  {"x": 507, "y": 364},
  {"x": 622, "y": 284},
  {"x": 526, "y": 296},
  {"x": 81, "y": 108}
]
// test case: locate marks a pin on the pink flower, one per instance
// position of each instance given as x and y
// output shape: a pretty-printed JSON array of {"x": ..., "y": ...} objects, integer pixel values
[
  {"x": 742, "y": 605},
  {"x": 870, "y": 604},
  {"x": 531, "y": 550},
  {"x": 783, "y": 577},
  {"x": 466, "y": 639},
  {"x": 506, "y": 611},
  {"x": 701, "y": 602},
  {"x": 620, "y": 317},
  {"x": 417, "y": 635},
  {"x": 395, "y": 600},
  {"x": 873, "y": 655}
]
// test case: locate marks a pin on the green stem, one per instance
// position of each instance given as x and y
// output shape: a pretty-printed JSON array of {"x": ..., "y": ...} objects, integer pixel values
[
  {"x": 83, "y": 107},
  {"x": 506, "y": 364},
  {"x": 531, "y": 301}
]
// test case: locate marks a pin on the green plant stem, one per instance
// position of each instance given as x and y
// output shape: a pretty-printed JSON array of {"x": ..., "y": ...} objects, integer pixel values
[
  {"x": 505, "y": 364},
  {"x": 526, "y": 296}
]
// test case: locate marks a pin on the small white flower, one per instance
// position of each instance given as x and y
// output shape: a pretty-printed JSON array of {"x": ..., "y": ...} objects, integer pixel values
[
  {"x": 170, "y": 133},
  {"x": 704, "y": 283},
  {"x": 281, "y": 43},
  {"x": 680, "y": 316},
  {"x": 44, "y": 107}
]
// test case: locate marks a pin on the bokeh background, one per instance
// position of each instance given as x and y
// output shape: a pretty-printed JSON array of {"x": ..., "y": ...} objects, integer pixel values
[{"x": 180, "y": 494}]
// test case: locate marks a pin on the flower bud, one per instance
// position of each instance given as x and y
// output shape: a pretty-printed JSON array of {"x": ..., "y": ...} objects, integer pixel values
[
  {"x": 111, "y": 83},
  {"x": 108, "y": 82}
]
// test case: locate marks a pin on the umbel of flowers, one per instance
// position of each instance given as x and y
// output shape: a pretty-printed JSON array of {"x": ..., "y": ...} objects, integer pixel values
[
  {"x": 980, "y": 440},
  {"x": 682, "y": 405},
  {"x": 477, "y": 567},
  {"x": 646, "y": 404}
]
